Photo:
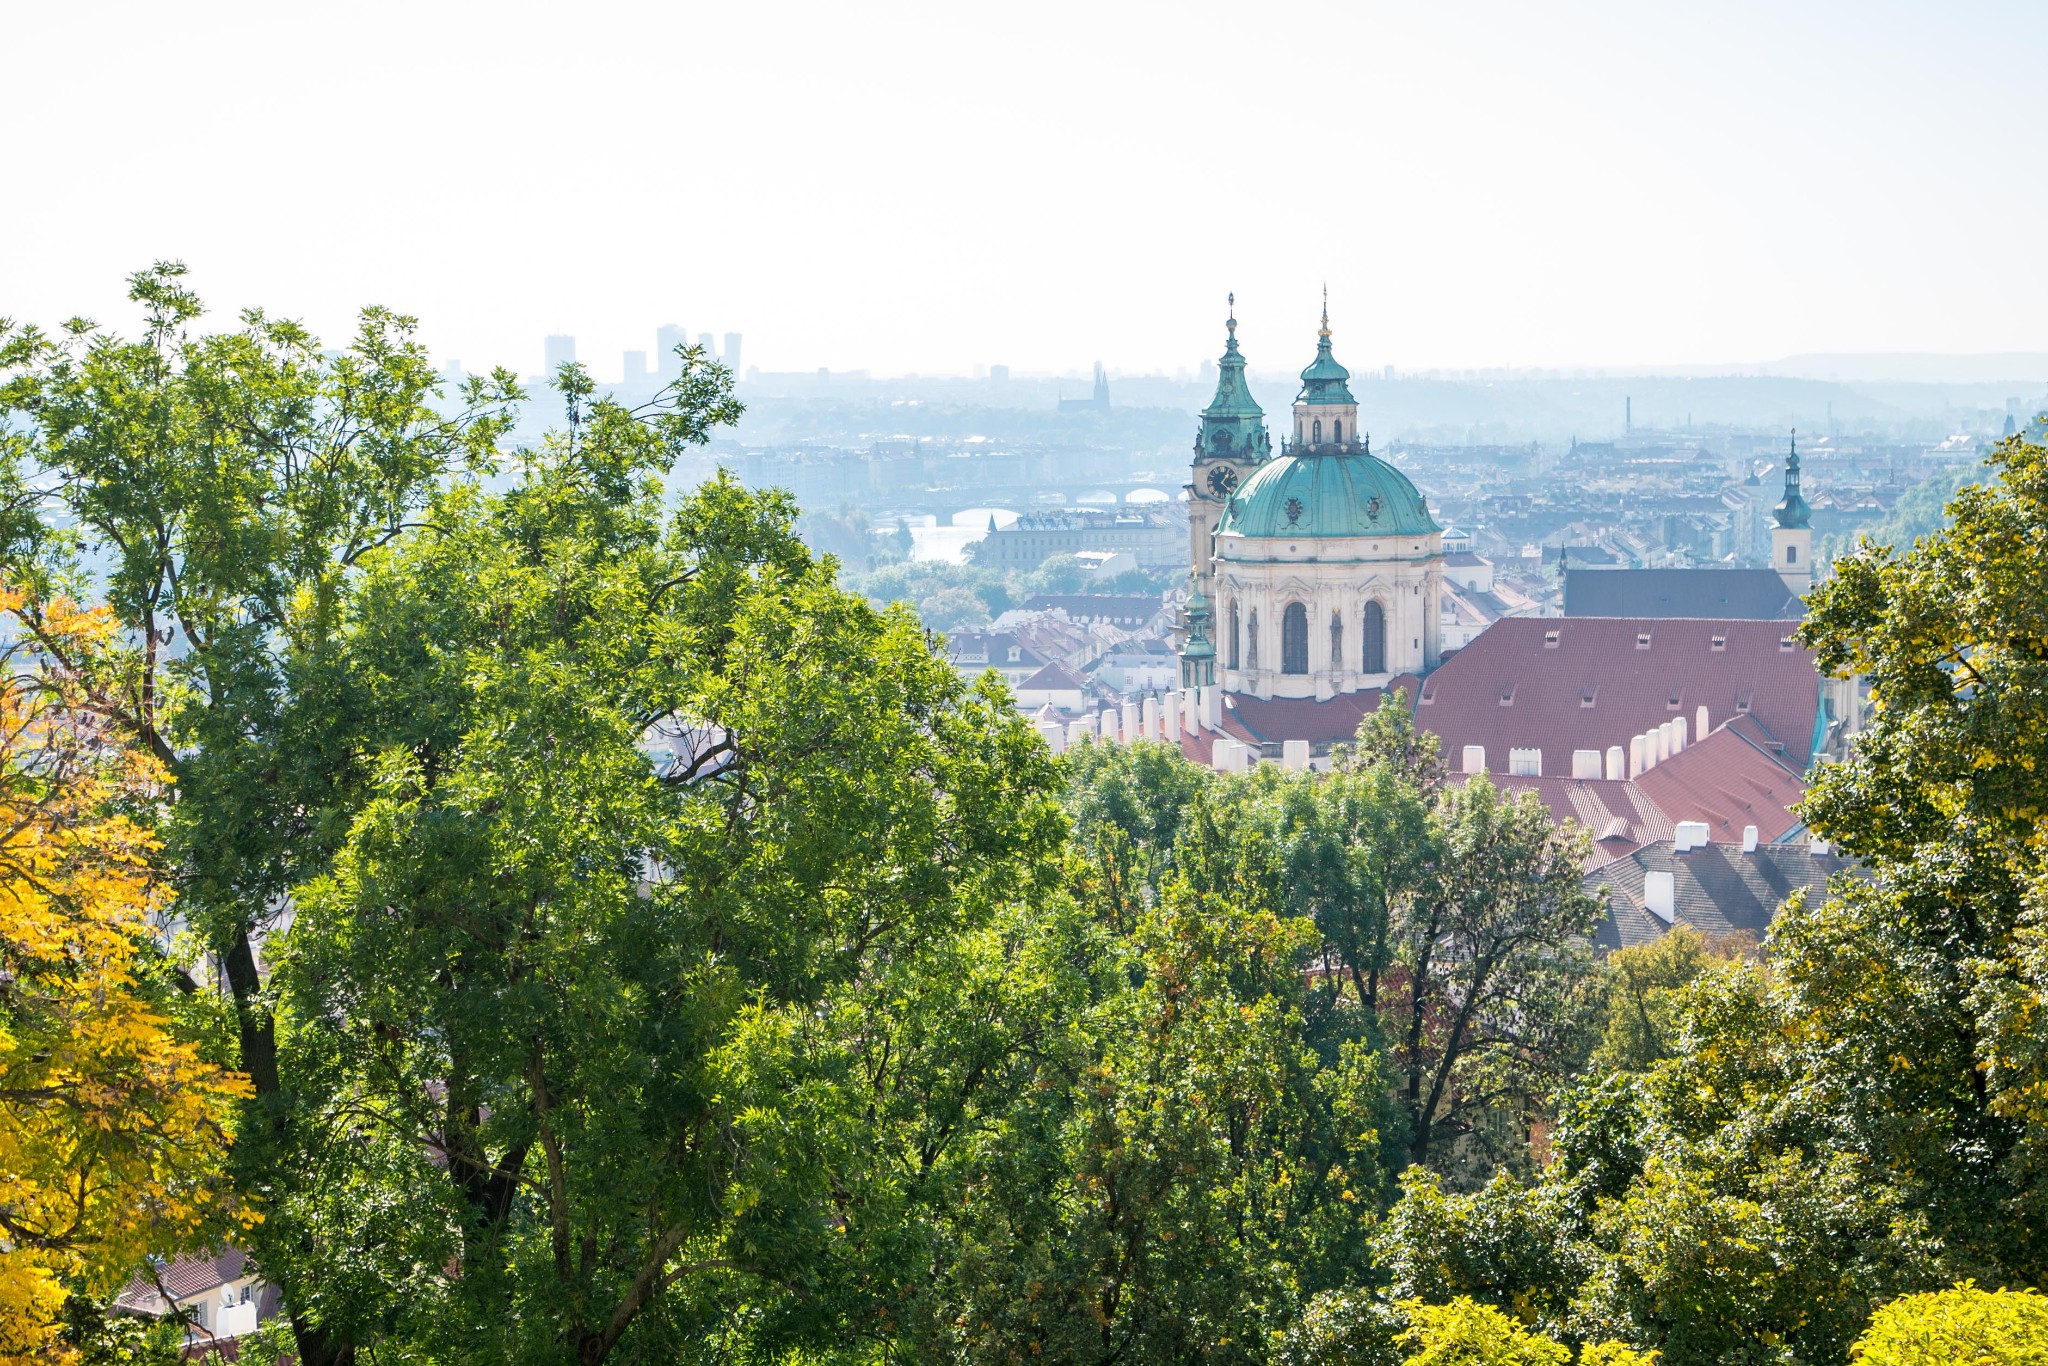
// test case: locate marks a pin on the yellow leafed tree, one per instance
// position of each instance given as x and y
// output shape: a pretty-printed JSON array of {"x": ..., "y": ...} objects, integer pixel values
[{"x": 113, "y": 1128}]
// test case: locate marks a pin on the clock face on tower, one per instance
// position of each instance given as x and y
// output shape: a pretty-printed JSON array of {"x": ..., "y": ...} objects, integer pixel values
[{"x": 1222, "y": 480}]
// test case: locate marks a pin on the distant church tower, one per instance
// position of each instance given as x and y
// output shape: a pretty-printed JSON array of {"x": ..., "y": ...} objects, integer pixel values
[
  {"x": 1231, "y": 442},
  {"x": 1792, "y": 537}
]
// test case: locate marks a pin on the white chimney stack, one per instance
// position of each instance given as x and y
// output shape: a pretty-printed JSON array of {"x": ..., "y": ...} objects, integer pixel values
[
  {"x": 1294, "y": 755},
  {"x": 1690, "y": 835},
  {"x": 1749, "y": 839},
  {"x": 1637, "y": 756},
  {"x": 1617, "y": 762},
  {"x": 1660, "y": 895},
  {"x": 1700, "y": 722},
  {"x": 1222, "y": 755},
  {"x": 1169, "y": 717},
  {"x": 1677, "y": 734},
  {"x": 1149, "y": 714},
  {"x": 1079, "y": 733},
  {"x": 1474, "y": 760},
  {"x": 1585, "y": 763},
  {"x": 1212, "y": 707},
  {"x": 1055, "y": 735},
  {"x": 1134, "y": 722}
]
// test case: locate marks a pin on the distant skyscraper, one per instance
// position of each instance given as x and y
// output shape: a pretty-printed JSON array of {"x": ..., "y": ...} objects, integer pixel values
[
  {"x": 732, "y": 352},
  {"x": 559, "y": 351},
  {"x": 667, "y": 338},
  {"x": 635, "y": 373},
  {"x": 710, "y": 351},
  {"x": 999, "y": 373}
]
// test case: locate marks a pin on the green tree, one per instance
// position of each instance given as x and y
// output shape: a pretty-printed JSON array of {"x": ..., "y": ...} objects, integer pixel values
[
  {"x": 218, "y": 493},
  {"x": 610, "y": 967},
  {"x": 1965, "y": 1324},
  {"x": 1917, "y": 991}
]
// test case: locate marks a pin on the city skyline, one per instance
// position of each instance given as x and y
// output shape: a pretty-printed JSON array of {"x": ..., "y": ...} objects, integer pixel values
[{"x": 1595, "y": 187}]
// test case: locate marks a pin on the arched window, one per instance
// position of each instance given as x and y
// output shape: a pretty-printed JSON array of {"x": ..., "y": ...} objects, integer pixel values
[
  {"x": 1337, "y": 431},
  {"x": 1233, "y": 635},
  {"x": 1319, "y": 432},
  {"x": 1373, "y": 658},
  {"x": 1294, "y": 639}
]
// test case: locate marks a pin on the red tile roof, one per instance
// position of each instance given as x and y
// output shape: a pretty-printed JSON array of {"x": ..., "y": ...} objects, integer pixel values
[
  {"x": 1727, "y": 782},
  {"x": 1599, "y": 684},
  {"x": 184, "y": 1277}
]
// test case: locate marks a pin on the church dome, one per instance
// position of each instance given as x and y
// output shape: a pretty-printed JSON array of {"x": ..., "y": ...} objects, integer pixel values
[{"x": 1352, "y": 493}]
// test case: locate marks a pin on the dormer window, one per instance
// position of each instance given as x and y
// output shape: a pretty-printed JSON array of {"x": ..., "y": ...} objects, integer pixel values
[
  {"x": 1015, "y": 654},
  {"x": 1550, "y": 640},
  {"x": 1786, "y": 645},
  {"x": 1720, "y": 643},
  {"x": 1642, "y": 640}
]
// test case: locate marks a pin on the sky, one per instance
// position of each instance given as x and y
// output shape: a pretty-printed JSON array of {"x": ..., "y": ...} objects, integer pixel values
[{"x": 908, "y": 187}]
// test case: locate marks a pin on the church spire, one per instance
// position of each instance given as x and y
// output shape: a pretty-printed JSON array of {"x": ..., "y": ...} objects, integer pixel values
[
  {"x": 1792, "y": 512},
  {"x": 1233, "y": 425}
]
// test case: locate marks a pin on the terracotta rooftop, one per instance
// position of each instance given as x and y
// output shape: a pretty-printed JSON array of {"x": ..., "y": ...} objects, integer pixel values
[
  {"x": 1561, "y": 684},
  {"x": 184, "y": 1277}
]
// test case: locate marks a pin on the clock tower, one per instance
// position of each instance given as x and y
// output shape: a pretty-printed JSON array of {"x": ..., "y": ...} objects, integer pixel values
[{"x": 1231, "y": 443}]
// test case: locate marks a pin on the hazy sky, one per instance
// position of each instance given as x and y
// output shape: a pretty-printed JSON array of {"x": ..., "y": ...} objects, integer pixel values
[{"x": 904, "y": 186}]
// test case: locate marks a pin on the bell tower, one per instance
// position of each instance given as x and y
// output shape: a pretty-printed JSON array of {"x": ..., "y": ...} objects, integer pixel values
[
  {"x": 1792, "y": 537},
  {"x": 1231, "y": 442}
]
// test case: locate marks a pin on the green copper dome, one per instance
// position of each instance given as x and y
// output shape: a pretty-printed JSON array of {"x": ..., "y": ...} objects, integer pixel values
[{"x": 1349, "y": 494}]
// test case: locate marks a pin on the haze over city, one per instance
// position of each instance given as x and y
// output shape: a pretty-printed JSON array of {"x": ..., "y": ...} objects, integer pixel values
[
  {"x": 931, "y": 186},
  {"x": 1101, "y": 684}
]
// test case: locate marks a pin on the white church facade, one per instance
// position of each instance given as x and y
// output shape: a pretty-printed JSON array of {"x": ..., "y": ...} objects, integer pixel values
[{"x": 1318, "y": 571}]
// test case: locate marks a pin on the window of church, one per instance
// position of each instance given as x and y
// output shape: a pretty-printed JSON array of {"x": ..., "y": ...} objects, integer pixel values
[
  {"x": 1233, "y": 635},
  {"x": 1319, "y": 432},
  {"x": 1337, "y": 431},
  {"x": 1294, "y": 639},
  {"x": 1373, "y": 657}
]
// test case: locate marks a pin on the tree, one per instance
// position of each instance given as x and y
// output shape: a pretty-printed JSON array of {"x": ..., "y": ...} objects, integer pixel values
[
  {"x": 114, "y": 1124},
  {"x": 219, "y": 494},
  {"x": 1918, "y": 991},
  {"x": 1935, "y": 1328},
  {"x": 1184, "y": 1168},
  {"x": 1494, "y": 947},
  {"x": 605, "y": 988}
]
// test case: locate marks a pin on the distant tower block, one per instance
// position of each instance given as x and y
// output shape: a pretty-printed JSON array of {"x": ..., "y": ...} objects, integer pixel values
[
  {"x": 704, "y": 339},
  {"x": 558, "y": 351},
  {"x": 731, "y": 358},
  {"x": 667, "y": 338},
  {"x": 635, "y": 371}
]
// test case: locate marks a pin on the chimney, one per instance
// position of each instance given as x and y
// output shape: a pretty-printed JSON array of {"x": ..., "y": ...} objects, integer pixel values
[
  {"x": 1585, "y": 763},
  {"x": 1690, "y": 835},
  {"x": 1700, "y": 722},
  {"x": 1749, "y": 839},
  {"x": 1212, "y": 707},
  {"x": 1474, "y": 759},
  {"x": 1660, "y": 895},
  {"x": 1817, "y": 846},
  {"x": 1677, "y": 734},
  {"x": 1079, "y": 733},
  {"x": 1636, "y": 756},
  {"x": 1055, "y": 735},
  {"x": 1223, "y": 754},
  {"x": 1617, "y": 762},
  {"x": 1294, "y": 755}
]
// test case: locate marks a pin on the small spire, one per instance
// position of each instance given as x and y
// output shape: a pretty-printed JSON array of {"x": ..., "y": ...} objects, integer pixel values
[
  {"x": 1325, "y": 333},
  {"x": 1792, "y": 461},
  {"x": 1232, "y": 323}
]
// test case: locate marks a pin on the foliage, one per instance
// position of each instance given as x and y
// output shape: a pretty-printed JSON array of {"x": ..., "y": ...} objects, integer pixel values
[
  {"x": 1466, "y": 1333},
  {"x": 113, "y": 1123},
  {"x": 1965, "y": 1324},
  {"x": 1643, "y": 984}
]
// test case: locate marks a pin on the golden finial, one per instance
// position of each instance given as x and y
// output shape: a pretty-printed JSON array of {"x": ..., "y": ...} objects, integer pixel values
[
  {"x": 1232, "y": 324},
  {"x": 1325, "y": 333}
]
